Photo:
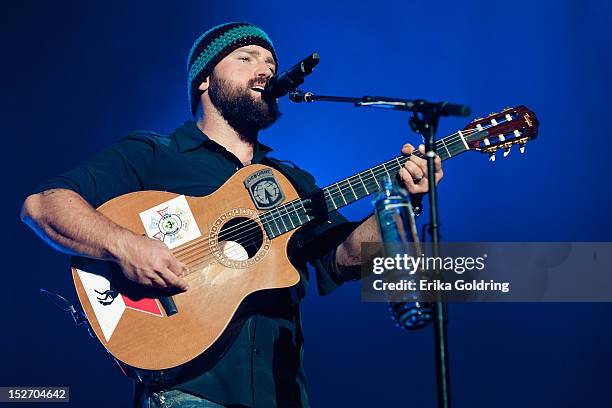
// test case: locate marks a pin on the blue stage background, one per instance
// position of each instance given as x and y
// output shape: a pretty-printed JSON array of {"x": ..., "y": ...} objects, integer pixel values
[{"x": 77, "y": 76}]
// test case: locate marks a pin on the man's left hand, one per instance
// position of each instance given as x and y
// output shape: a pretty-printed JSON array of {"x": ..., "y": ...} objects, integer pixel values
[{"x": 414, "y": 172}]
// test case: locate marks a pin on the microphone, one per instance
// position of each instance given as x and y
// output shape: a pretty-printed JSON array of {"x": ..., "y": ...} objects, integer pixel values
[{"x": 281, "y": 85}]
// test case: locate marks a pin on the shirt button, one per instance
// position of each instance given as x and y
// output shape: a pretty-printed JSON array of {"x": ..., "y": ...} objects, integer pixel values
[{"x": 256, "y": 350}]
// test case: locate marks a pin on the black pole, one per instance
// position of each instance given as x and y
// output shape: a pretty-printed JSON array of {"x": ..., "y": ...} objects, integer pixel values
[{"x": 427, "y": 125}]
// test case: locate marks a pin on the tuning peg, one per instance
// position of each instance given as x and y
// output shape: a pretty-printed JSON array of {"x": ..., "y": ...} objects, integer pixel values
[
  {"x": 492, "y": 156},
  {"x": 522, "y": 147},
  {"x": 507, "y": 151}
]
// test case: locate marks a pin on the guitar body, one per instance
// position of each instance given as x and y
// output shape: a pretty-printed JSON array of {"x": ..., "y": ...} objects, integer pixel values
[{"x": 135, "y": 328}]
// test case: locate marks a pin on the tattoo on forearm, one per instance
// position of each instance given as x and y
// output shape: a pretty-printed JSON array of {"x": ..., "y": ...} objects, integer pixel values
[{"x": 49, "y": 192}]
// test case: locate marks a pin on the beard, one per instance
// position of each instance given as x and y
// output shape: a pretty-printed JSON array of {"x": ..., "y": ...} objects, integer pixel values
[{"x": 238, "y": 107}]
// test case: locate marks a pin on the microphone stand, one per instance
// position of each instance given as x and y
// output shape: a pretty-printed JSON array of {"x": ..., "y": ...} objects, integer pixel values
[
  {"x": 384, "y": 102},
  {"x": 426, "y": 124}
]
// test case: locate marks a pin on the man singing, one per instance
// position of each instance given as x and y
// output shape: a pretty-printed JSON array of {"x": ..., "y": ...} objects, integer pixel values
[{"x": 228, "y": 68}]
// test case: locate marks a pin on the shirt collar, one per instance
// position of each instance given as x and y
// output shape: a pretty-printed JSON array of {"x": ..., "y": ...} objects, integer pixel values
[{"x": 189, "y": 137}]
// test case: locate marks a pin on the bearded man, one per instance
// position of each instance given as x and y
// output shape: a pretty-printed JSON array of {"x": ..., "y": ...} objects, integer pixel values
[{"x": 228, "y": 68}]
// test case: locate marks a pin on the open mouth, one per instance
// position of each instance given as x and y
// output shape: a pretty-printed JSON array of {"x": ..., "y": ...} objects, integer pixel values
[{"x": 258, "y": 86}]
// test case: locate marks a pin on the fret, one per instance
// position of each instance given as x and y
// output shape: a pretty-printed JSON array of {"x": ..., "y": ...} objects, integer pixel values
[
  {"x": 444, "y": 145},
  {"x": 399, "y": 163},
  {"x": 454, "y": 145},
  {"x": 374, "y": 177},
  {"x": 330, "y": 196},
  {"x": 364, "y": 185},
  {"x": 305, "y": 212},
  {"x": 359, "y": 187},
  {"x": 268, "y": 225},
  {"x": 348, "y": 180},
  {"x": 297, "y": 212},
  {"x": 289, "y": 216},
  {"x": 292, "y": 217},
  {"x": 276, "y": 223},
  {"x": 286, "y": 217},
  {"x": 281, "y": 218},
  {"x": 289, "y": 219},
  {"x": 341, "y": 195},
  {"x": 463, "y": 140},
  {"x": 296, "y": 219},
  {"x": 386, "y": 170}
]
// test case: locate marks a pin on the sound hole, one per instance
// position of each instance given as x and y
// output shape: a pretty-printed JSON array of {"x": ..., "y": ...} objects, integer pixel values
[{"x": 240, "y": 238}]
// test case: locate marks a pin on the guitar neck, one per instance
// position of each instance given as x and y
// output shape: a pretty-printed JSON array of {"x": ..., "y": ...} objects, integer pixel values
[{"x": 344, "y": 192}]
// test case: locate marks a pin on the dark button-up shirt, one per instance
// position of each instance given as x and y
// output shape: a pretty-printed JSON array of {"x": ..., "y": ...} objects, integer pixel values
[{"x": 262, "y": 366}]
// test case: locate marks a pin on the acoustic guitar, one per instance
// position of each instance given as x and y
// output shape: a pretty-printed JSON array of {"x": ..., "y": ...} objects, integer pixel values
[{"x": 234, "y": 242}]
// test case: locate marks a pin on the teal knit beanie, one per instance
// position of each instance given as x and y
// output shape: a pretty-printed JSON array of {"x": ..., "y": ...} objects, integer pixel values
[{"x": 214, "y": 45}]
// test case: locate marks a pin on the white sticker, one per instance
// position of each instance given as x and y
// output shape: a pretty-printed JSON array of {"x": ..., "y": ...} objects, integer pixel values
[
  {"x": 171, "y": 222},
  {"x": 107, "y": 304}
]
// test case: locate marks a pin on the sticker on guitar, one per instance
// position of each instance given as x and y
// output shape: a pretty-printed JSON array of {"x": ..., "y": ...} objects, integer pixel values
[
  {"x": 171, "y": 222},
  {"x": 264, "y": 189},
  {"x": 109, "y": 305}
]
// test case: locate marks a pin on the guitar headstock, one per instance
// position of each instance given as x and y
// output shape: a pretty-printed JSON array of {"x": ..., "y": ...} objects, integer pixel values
[{"x": 500, "y": 131}]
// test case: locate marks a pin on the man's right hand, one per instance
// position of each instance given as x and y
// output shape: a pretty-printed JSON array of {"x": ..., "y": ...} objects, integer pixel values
[{"x": 149, "y": 262}]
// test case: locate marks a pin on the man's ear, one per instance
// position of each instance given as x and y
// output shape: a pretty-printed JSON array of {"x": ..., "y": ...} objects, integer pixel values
[{"x": 205, "y": 84}]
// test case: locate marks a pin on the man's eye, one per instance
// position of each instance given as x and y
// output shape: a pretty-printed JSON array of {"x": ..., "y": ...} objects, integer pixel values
[{"x": 244, "y": 58}]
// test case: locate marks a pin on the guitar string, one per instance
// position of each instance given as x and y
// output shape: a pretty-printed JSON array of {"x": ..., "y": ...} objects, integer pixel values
[
  {"x": 342, "y": 186},
  {"x": 236, "y": 249},
  {"x": 339, "y": 186},
  {"x": 298, "y": 205},
  {"x": 255, "y": 230},
  {"x": 451, "y": 139}
]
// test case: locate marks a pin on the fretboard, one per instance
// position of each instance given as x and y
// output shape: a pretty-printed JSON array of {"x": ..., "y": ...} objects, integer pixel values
[{"x": 296, "y": 213}]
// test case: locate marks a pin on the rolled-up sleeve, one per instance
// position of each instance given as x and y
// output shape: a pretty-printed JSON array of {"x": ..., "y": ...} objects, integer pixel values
[{"x": 321, "y": 252}]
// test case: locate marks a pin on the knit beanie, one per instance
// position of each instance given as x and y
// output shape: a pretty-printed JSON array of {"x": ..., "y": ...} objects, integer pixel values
[{"x": 214, "y": 45}]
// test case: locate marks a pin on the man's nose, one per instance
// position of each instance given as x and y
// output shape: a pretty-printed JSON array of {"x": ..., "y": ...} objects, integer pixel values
[{"x": 263, "y": 71}]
